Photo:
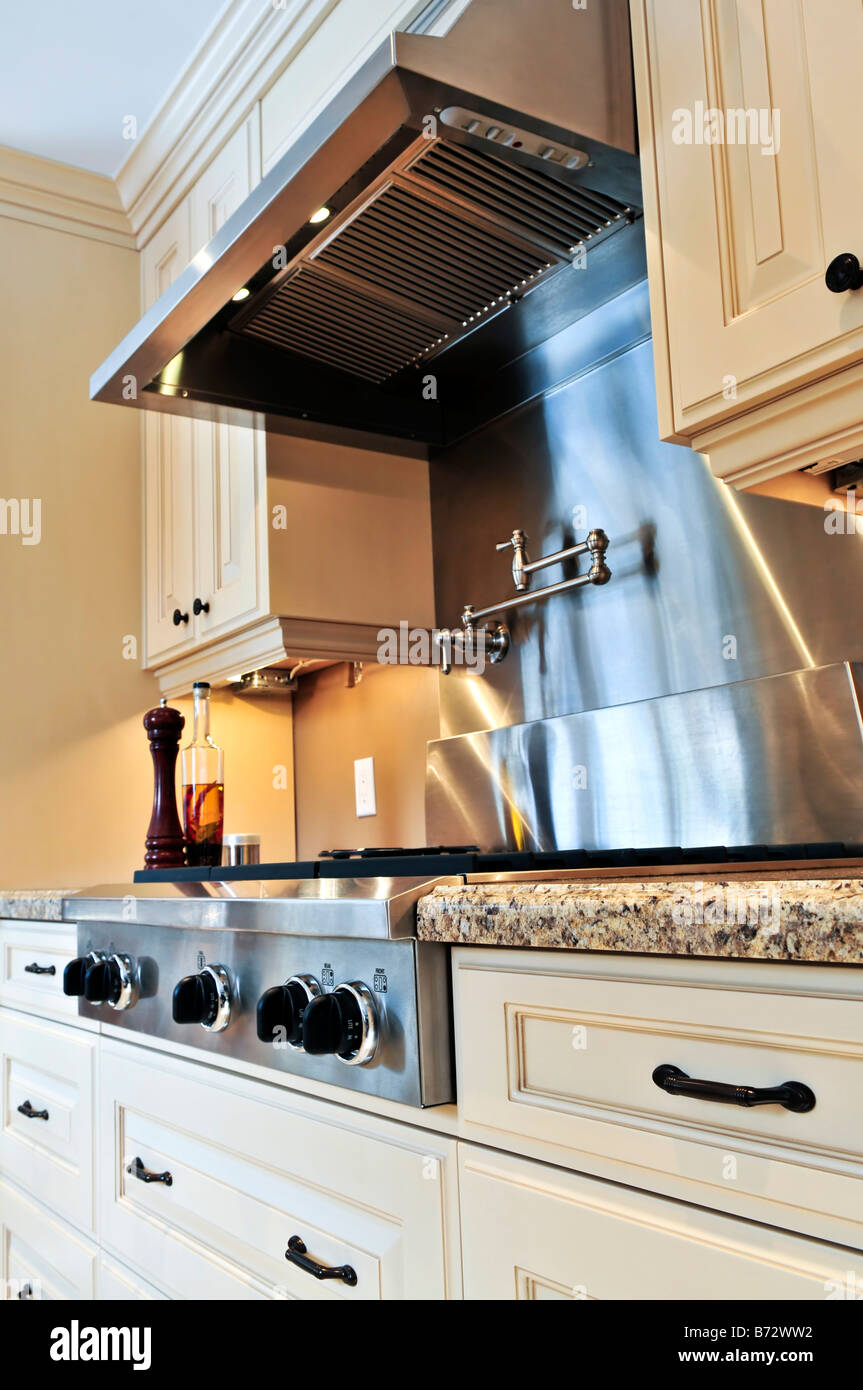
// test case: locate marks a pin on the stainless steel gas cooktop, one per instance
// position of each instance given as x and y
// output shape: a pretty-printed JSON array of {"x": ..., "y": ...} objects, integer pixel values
[{"x": 323, "y": 978}]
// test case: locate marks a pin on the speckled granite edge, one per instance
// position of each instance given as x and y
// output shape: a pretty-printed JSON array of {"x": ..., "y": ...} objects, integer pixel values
[
  {"x": 34, "y": 904},
  {"x": 760, "y": 919}
]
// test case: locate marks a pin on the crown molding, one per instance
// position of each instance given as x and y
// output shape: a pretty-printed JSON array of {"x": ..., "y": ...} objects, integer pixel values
[
  {"x": 241, "y": 56},
  {"x": 62, "y": 197},
  {"x": 271, "y": 642}
]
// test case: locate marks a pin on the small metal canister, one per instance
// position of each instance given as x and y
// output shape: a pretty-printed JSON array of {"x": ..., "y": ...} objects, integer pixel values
[{"x": 241, "y": 849}]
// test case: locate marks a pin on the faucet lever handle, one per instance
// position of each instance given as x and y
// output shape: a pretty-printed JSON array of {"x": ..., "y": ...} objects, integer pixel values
[{"x": 517, "y": 543}]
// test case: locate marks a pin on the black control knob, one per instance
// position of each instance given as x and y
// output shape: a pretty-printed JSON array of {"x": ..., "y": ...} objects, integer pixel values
[
  {"x": 343, "y": 1023},
  {"x": 282, "y": 1008},
  {"x": 73, "y": 975},
  {"x": 199, "y": 607},
  {"x": 204, "y": 998},
  {"x": 177, "y": 617},
  {"x": 102, "y": 982},
  {"x": 844, "y": 273}
]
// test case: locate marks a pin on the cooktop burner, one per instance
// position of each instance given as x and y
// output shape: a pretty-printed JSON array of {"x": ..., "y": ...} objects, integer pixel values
[
  {"x": 397, "y": 853},
  {"x": 433, "y": 860}
]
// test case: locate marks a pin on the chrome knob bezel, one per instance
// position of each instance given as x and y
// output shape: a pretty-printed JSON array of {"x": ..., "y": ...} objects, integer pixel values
[
  {"x": 129, "y": 983},
  {"x": 222, "y": 980},
  {"x": 312, "y": 990},
  {"x": 370, "y": 1023}
]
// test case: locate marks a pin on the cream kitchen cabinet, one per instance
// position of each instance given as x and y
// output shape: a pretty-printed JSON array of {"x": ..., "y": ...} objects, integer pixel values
[
  {"x": 531, "y": 1231},
  {"x": 349, "y": 33},
  {"x": 205, "y": 483},
  {"x": 747, "y": 111},
  {"x": 168, "y": 487},
  {"x": 47, "y": 1085},
  {"x": 262, "y": 549},
  {"x": 40, "y": 1257},
  {"x": 246, "y": 1166},
  {"x": 556, "y": 1053}
]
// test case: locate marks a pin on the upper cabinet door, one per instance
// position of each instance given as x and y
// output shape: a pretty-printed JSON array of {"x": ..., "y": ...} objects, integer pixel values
[
  {"x": 346, "y": 34},
  {"x": 747, "y": 112},
  {"x": 231, "y": 480},
  {"x": 168, "y": 482},
  {"x": 225, "y": 182},
  {"x": 230, "y": 462}
]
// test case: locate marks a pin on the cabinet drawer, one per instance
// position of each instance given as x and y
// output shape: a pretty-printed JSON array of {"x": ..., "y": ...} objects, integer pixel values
[
  {"x": 533, "y": 1232},
  {"x": 562, "y": 1049},
  {"x": 115, "y": 1282},
  {"x": 48, "y": 1069},
  {"x": 253, "y": 1165},
  {"x": 28, "y": 956},
  {"x": 39, "y": 1256}
]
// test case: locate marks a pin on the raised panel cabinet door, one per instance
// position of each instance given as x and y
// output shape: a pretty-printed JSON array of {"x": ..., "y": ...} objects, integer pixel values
[
  {"x": 530, "y": 1231},
  {"x": 168, "y": 478},
  {"x": 563, "y": 1051},
  {"x": 33, "y": 956},
  {"x": 230, "y": 461},
  {"x": 47, "y": 1083},
  {"x": 231, "y": 573},
  {"x": 253, "y": 1166},
  {"x": 345, "y": 34},
  {"x": 227, "y": 180},
  {"x": 746, "y": 110},
  {"x": 41, "y": 1256},
  {"x": 115, "y": 1282}
]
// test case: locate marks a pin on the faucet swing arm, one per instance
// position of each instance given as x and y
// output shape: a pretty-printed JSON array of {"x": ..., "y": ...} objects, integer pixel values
[{"x": 494, "y": 643}]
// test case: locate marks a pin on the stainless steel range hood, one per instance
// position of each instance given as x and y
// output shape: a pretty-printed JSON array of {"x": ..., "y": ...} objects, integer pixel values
[{"x": 463, "y": 177}]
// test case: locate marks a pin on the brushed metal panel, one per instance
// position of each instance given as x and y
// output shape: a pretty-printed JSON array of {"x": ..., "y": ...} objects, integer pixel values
[
  {"x": 772, "y": 761},
  {"x": 694, "y": 562},
  {"x": 412, "y": 1065},
  {"x": 345, "y": 907}
]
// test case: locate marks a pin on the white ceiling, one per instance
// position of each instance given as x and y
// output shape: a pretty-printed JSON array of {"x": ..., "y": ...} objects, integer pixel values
[{"x": 71, "y": 71}]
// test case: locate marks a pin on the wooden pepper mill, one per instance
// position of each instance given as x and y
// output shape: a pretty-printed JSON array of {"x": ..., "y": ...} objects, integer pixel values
[{"x": 164, "y": 845}]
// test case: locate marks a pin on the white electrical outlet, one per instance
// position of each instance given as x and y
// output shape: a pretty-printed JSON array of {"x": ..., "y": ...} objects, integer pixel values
[{"x": 364, "y": 785}]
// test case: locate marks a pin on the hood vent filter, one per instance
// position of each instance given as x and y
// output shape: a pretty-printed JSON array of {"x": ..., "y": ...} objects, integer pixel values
[{"x": 446, "y": 238}]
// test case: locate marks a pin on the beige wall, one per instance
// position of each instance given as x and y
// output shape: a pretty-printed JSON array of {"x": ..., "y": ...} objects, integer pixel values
[
  {"x": 357, "y": 546},
  {"x": 75, "y": 770},
  {"x": 389, "y": 716},
  {"x": 808, "y": 488}
]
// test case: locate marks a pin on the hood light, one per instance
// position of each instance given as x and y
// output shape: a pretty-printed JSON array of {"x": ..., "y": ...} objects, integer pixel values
[
  {"x": 241, "y": 295},
  {"x": 320, "y": 216}
]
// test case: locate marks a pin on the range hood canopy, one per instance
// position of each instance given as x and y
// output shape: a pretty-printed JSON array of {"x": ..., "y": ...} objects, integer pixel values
[{"x": 416, "y": 239}]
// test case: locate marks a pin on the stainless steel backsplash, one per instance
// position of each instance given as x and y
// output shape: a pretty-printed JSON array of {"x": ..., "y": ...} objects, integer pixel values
[
  {"x": 710, "y": 585},
  {"x": 694, "y": 561}
]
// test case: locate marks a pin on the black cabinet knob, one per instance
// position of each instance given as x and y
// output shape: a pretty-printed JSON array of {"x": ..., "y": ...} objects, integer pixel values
[
  {"x": 179, "y": 617},
  {"x": 844, "y": 273},
  {"x": 199, "y": 607}
]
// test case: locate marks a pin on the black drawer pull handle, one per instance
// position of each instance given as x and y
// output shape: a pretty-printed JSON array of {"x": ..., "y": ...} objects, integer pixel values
[
  {"x": 31, "y": 1114},
  {"x": 137, "y": 1169},
  {"x": 793, "y": 1095},
  {"x": 299, "y": 1256},
  {"x": 35, "y": 969}
]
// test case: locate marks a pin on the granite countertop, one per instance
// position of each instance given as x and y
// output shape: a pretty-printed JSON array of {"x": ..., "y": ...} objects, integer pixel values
[
  {"x": 756, "y": 918},
  {"x": 34, "y": 904}
]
